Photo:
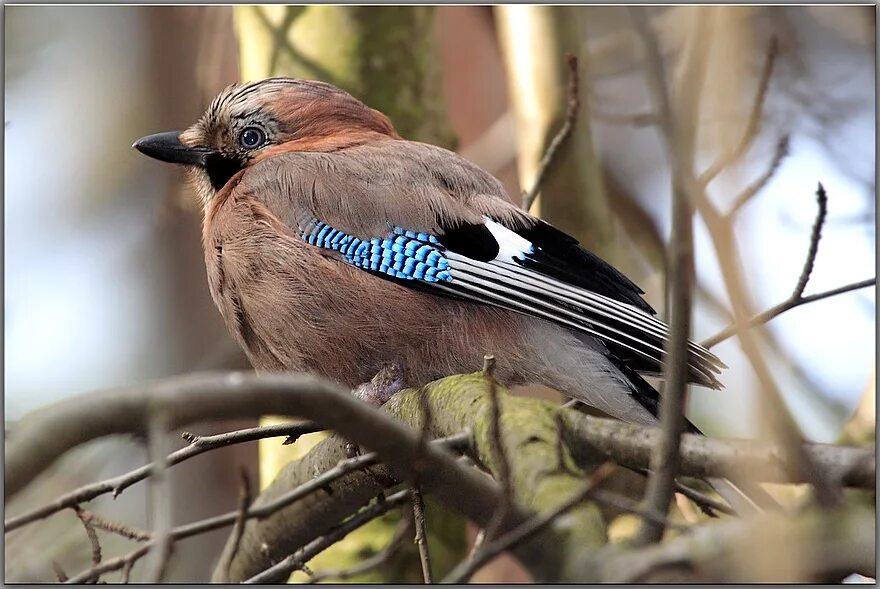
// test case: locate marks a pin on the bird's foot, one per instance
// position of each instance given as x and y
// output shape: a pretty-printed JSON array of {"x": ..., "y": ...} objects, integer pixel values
[
  {"x": 352, "y": 450},
  {"x": 390, "y": 379}
]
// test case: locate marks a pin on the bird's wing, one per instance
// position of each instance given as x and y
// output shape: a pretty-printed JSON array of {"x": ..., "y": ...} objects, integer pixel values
[{"x": 475, "y": 246}]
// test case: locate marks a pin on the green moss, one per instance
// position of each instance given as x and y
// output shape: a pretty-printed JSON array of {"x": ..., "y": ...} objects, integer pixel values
[{"x": 543, "y": 474}]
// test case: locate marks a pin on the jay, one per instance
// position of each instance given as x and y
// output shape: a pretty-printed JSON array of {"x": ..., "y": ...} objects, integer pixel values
[{"x": 334, "y": 246}]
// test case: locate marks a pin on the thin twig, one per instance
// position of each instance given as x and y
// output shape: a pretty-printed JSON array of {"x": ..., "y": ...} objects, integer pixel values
[
  {"x": 377, "y": 560},
  {"x": 781, "y": 422},
  {"x": 421, "y": 534},
  {"x": 219, "y": 521},
  {"x": 418, "y": 504},
  {"x": 781, "y": 308},
  {"x": 755, "y": 187},
  {"x": 466, "y": 569},
  {"x": 796, "y": 299},
  {"x": 252, "y": 434},
  {"x": 126, "y": 571},
  {"x": 160, "y": 497},
  {"x": 754, "y": 123},
  {"x": 706, "y": 504},
  {"x": 815, "y": 236},
  {"x": 117, "y": 528},
  {"x": 295, "y": 561},
  {"x": 496, "y": 442},
  {"x": 85, "y": 518},
  {"x": 198, "y": 445},
  {"x": 114, "y": 564},
  {"x": 529, "y": 197},
  {"x": 244, "y": 501},
  {"x": 479, "y": 542},
  {"x": 680, "y": 141},
  {"x": 59, "y": 572},
  {"x": 628, "y": 505}
]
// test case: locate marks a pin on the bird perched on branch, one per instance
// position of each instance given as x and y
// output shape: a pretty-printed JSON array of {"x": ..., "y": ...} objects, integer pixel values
[{"x": 334, "y": 246}]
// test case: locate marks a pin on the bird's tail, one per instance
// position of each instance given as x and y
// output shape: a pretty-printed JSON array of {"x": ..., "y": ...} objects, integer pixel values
[{"x": 744, "y": 497}]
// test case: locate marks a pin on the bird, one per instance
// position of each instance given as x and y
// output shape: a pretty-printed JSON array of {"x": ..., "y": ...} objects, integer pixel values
[{"x": 337, "y": 247}]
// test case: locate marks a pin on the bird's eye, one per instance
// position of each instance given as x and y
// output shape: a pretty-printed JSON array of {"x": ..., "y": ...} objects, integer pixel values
[{"x": 251, "y": 138}]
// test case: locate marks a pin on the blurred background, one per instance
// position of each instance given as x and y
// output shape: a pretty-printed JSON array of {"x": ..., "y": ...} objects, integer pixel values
[{"x": 105, "y": 283}]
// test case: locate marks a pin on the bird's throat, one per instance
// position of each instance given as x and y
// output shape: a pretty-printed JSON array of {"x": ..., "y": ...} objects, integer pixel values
[{"x": 221, "y": 169}]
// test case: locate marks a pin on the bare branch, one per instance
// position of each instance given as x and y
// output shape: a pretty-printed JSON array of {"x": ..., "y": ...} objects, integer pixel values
[
  {"x": 680, "y": 256},
  {"x": 815, "y": 236},
  {"x": 373, "y": 562},
  {"x": 492, "y": 548},
  {"x": 721, "y": 233},
  {"x": 529, "y": 197},
  {"x": 821, "y": 547},
  {"x": 498, "y": 453},
  {"x": 755, "y": 187},
  {"x": 117, "y": 528},
  {"x": 418, "y": 504},
  {"x": 160, "y": 497},
  {"x": 223, "y": 520},
  {"x": 796, "y": 299},
  {"x": 85, "y": 518},
  {"x": 292, "y": 430},
  {"x": 781, "y": 308},
  {"x": 754, "y": 124},
  {"x": 630, "y": 445},
  {"x": 244, "y": 501},
  {"x": 198, "y": 445},
  {"x": 421, "y": 538},
  {"x": 59, "y": 572},
  {"x": 126, "y": 571},
  {"x": 706, "y": 504},
  {"x": 209, "y": 396},
  {"x": 281, "y": 570},
  {"x": 113, "y": 564}
]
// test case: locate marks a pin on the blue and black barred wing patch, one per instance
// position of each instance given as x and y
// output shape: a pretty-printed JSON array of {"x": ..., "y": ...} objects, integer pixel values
[
  {"x": 494, "y": 265},
  {"x": 402, "y": 254}
]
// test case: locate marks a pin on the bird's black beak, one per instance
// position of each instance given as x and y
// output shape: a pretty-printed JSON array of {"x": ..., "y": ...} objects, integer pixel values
[{"x": 167, "y": 147}]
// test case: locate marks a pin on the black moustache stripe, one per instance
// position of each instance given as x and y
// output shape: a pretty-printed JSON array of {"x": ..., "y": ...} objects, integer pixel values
[{"x": 221, "y": 168}]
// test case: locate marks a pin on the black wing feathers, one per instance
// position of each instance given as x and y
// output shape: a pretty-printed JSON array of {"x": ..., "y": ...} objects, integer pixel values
[
  {"x": 474, "y": 241},
  {"x": 562, "y": 257},
  {"x": 543, "y": 272}
]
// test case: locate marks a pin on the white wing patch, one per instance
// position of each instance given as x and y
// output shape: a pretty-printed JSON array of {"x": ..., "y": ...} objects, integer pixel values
[
  {"x": 511, "y": 246},
  {"x": 506, "y": 282}
]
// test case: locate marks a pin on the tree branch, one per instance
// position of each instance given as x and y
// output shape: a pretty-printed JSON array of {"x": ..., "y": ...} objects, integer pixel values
[
  {"x": 281, "y": 570},
  {"x": 373, "y": 562},
  {"x": 754, "y": 122},
  {"x": 561, "y": 136},
  {"x": 160, "y": 497},
  {"x": 755, "y": 187},
  {"x": 702, "y": 457},
  {"x": 680, "y": 140},
  {"x": 820, "y": 547},
  {"x": 198, "y": 445},
  {"x": 529, "y": 433},
  {"x": 464, "y": 571},
  {"x": 796, "y": 299}
]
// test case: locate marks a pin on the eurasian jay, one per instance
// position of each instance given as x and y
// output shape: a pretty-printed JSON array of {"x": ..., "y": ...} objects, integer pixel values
[{"x": 334, "y": 246}]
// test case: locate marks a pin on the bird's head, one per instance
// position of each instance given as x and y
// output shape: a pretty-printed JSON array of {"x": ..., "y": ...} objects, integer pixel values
[{"x": 247, "y": 123}]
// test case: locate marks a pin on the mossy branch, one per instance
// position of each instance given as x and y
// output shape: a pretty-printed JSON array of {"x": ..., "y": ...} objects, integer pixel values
[
  {"x": 457, "y": 403},
  {"x": 543, "y": 471}
]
